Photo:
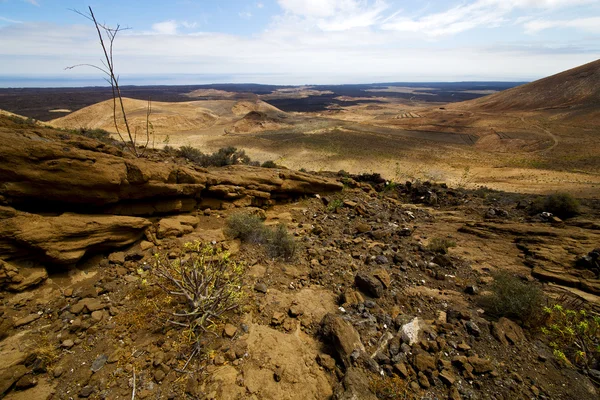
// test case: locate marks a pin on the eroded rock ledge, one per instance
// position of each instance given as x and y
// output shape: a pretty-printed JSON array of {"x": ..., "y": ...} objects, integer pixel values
[
  {"x": 63, "y": 195},
  {"x": 46, "y": 170}
]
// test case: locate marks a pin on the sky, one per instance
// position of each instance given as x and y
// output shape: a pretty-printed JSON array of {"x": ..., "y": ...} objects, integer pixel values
[{"x": 297, "y": 41}]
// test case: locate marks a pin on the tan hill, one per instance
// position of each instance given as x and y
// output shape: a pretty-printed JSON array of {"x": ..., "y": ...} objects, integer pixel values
[
  {"x": 573, "y": 90},
  {"x": 257, "y": 121},
  {"x": 166, "y": 117}
]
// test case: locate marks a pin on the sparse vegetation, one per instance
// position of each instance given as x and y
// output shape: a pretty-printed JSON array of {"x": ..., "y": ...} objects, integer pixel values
[
  {"x": 269, "y": 164},
  {"x": 513, "y": 298},
  {"x": 390, "y": 388},
  {"x": 562, "y": 205},
  {"x": 98, "y": 134},
  {"x": 249, "y": 228},
  {"x": 440, "y": 245},
  {"x": 574, "y": 335},
  {"x": 205, "y": 279},
  {"x": 334, "y": 205},
  {"x": 21, "y": 121},
  {"x": 280, "y": 244},
  {"x": 222, "y": 157}
]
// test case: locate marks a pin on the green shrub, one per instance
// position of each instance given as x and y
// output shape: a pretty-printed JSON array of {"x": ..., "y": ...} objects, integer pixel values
[
  {"x": 563, "y": 205},
  {"x": 269, "y": 164},
  {"x": 98, "y": 134},
  {"x": 513, "y": 298},
  {"x": 280, "y": 243},
  {"x": 251, "y": 229},
  {"x": 21, "y": 121},
  {"x": 205, "y": 279},
  {"x": 440, "y": 245},
  {"x": 246, "y": 227},
  {"x": 221, "y": 158},
  {"x": 574, "y": 335},
  {"x": 191, "y": 153}
]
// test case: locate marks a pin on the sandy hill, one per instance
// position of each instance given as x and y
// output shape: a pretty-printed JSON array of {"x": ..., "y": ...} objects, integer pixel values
[
  {"x": 166, "y": 116},
  {"x": 575, "y": 89}
]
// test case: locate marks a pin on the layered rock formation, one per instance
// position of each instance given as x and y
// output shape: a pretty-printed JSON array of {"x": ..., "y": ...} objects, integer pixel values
[{"x": 63, "y": 195}]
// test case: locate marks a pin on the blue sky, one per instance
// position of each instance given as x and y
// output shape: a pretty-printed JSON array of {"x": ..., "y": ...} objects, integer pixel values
[{"x": 303, "y": 41}]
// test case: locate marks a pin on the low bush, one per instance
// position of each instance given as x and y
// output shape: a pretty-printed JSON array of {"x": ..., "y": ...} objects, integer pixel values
[
  {"x": 269, "y": 164},
  {"x": 205, "y": 279},
  {"x": 21, "y": 121},
  {"x": 98, "y": 134},
  {"x": 440, "y": 245},
  {"x": 246, "y": 227},
  {"x": 249, "y": 228},
  {"x": 191, "y": 153},
  {"x": 222, "y": 157},
  {"x": 280, "y": 243},
  {"x": 574, "y": 335},
  {"x": 513, "y": 298},
  {"x": 562, "y": 205}
]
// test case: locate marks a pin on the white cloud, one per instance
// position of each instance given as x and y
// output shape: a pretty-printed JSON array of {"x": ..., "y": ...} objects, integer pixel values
[
  {"x": 479, "y": 13},
  {"x": 166, "y": 27},
  {"x": 259, "y": 5},
  {"x": 325, "y": 41},
  {"x": 591, "y": 24},
  {"x": 333, "y": 15},
  {"x": 245, "y": 14},
  {"x": 33, "y": 2},
  {"x": 189, "y": 25},
  {"x": 10, "y": 21}
]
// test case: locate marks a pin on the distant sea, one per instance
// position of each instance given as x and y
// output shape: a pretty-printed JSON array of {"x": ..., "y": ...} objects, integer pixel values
[
  {"x": 73, "y": 80},
  {"x": 83, "y": 81}
]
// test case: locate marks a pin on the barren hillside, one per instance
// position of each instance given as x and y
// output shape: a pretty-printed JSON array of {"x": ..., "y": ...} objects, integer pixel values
[
  {"x": 575, "y": 89},
  {"x": 165, "y": 116}
]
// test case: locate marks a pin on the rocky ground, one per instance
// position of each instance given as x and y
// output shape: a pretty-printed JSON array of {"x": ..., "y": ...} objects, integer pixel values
[{"x": 365, "y": 309}]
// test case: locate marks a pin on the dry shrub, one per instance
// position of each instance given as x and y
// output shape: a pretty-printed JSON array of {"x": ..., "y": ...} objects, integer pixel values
[
  {"x": 440, "y": 245},
  {"x": 513, "y": 298},
  {"x": 249, "y": 228},
  {"x": 269, "y": 164},
  {"x": 221, "y": 158},
  {"x": 562, "y": 205},
  {"x": 390, "y": 388},
  {"x": 280, "y": 244}
]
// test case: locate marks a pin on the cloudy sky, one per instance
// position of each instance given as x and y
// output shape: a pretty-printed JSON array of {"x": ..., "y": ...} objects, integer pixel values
[{"x": 302, "y": 41}]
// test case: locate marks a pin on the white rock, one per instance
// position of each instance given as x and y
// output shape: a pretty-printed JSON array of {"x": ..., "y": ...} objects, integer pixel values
[{"x": 411, "y": 331}]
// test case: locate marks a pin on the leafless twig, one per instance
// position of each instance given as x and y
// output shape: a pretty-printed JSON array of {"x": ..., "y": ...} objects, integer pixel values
[{"x": 107, "y": 36}]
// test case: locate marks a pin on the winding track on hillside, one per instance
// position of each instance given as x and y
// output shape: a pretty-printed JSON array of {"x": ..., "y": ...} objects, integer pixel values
[{"x": 547, "y": 132}]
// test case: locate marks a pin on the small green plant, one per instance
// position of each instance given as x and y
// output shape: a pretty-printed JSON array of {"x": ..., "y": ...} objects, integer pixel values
[
  {"x": 205, "y": 279},
  {"x": 390, "y": 187},
  {"x": 574, "y": 335},
  {"x": 280, "y": 244},
  {"x": 269, "y": 164},
  {"x": 513, "y": 298},
  {"x": 334, "y": 205},
  {"x": 440, "y": 245},
  {"x": 562, "y": 205},
  {"x": 247, "y": 227}
]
